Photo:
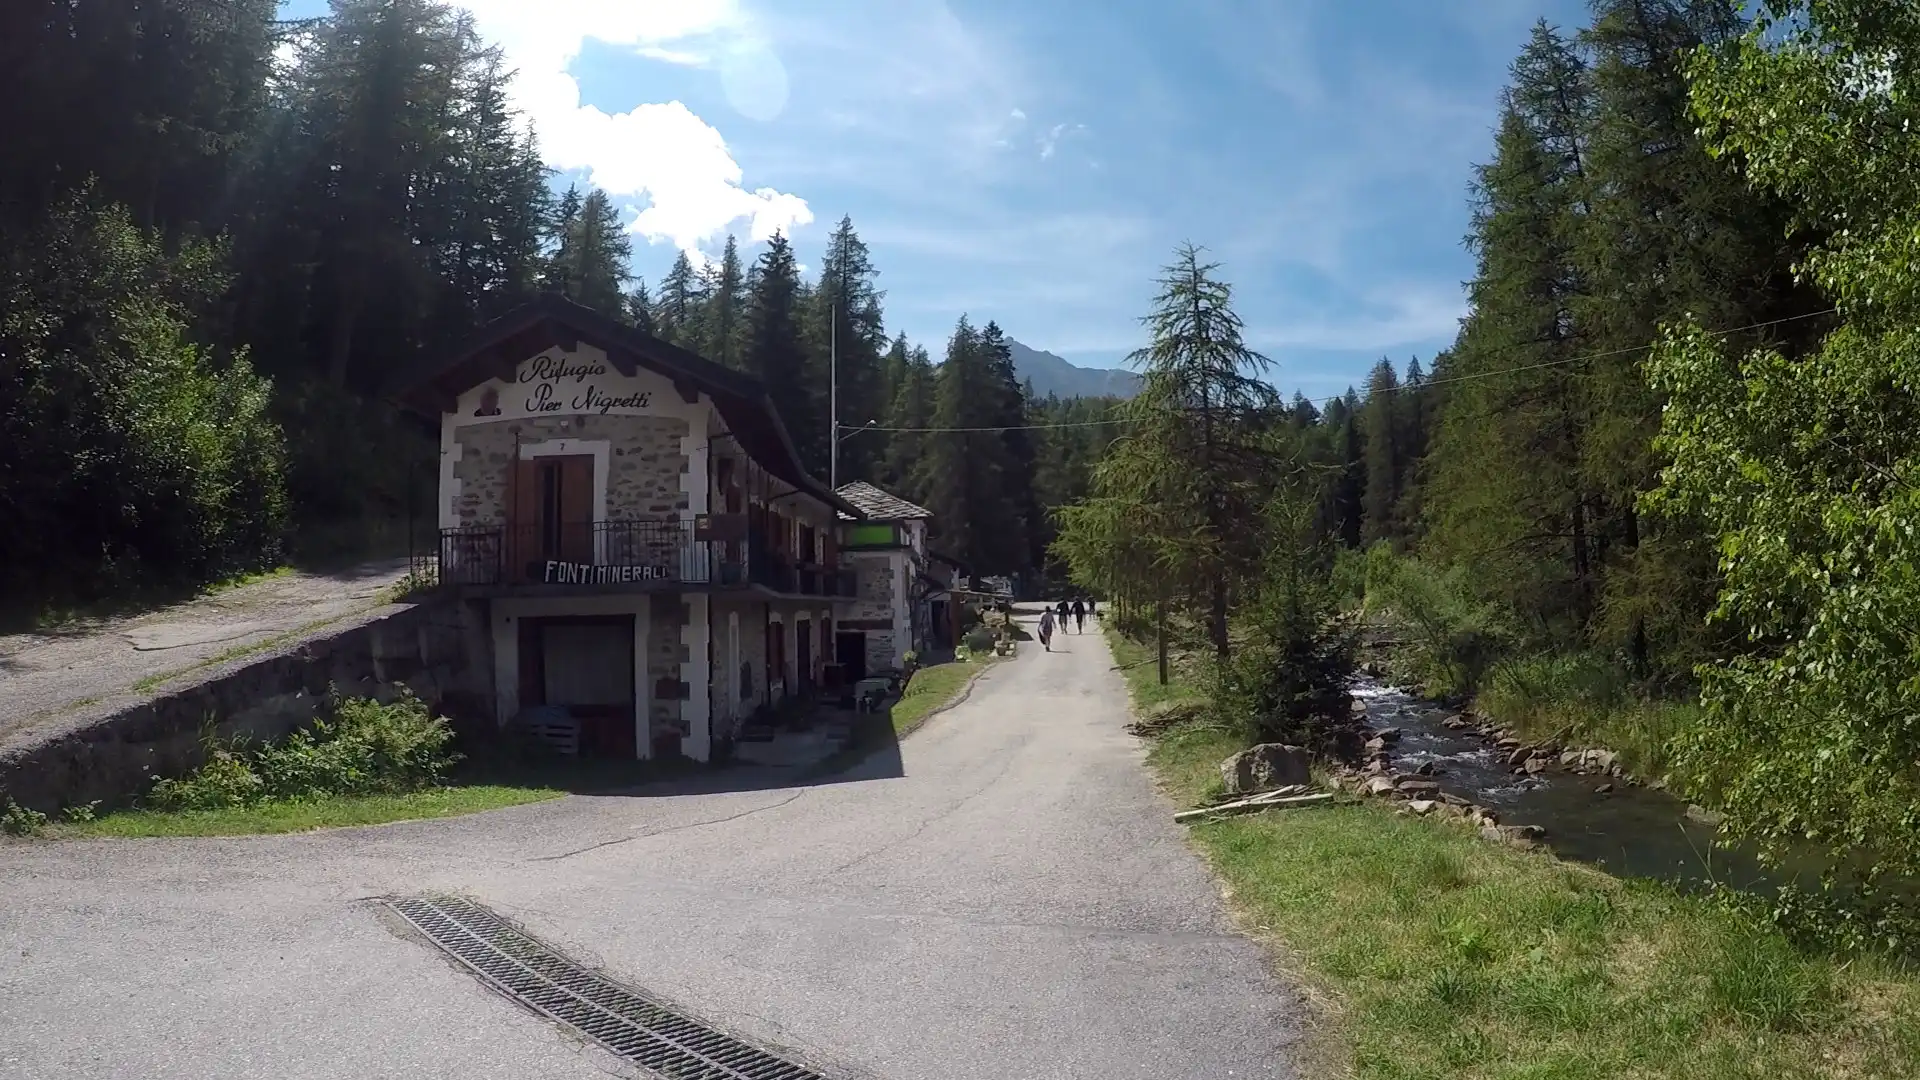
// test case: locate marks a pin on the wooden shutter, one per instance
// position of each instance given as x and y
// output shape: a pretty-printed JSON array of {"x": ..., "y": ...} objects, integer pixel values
[{"x": 576, "y": 507}]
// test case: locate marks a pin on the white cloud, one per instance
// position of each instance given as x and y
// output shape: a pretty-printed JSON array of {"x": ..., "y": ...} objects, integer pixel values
[
  {"x": 1018, "y": 114},
  {"x": 1050, "y": 142},
  {"x": 693, "y": 189},
  {"x": 1408, "y": 314}
]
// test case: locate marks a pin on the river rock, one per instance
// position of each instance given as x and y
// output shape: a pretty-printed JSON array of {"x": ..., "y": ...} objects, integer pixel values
[
  {"x": 1603, "y": 789},
  {"x": 1519, "y": 756},
  {"x": 1422, "y": 806},
  {"x": 1378, "y": 785},
  {"x": 1535, "y": 765},
  {"x": 1422, "y": 788},
  {"x": 1388, "y": 735},
  {"x": 1376, "y": 745},
  {"x": 1506, "y": 742},
  {"x": 1516, "y": 835},
  {"x": 1456, "y": 722},
  {"x": 1428, "y": 768},
  {"x": 1263, "y": 768},
  {"x": 1604, "y": 760},
  {"x": 1572, "y": 759}
]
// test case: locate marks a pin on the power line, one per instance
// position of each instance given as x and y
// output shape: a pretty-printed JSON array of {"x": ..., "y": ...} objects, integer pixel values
[{"x": 1340, "y": 397}]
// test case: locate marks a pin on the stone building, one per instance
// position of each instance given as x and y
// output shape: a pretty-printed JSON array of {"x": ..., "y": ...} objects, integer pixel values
[
  {"x": 653, "y": 561},
  {"x": 903, "y": 602}
]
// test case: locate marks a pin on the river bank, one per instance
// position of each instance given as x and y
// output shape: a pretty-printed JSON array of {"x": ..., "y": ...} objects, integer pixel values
[{"x": 1436, "y": 955}]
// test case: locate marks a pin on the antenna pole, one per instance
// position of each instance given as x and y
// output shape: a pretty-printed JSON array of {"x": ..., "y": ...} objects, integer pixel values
[{"x": 833, "y": 396}]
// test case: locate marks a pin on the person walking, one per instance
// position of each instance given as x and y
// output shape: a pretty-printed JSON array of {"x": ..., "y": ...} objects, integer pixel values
[
  {"x": 1079, "y": 617},
  {"x": 1046, "y": 629}
]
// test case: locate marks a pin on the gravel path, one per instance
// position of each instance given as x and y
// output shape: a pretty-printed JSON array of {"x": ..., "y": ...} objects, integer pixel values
[
  {"x": 1005, "y": 897},
  {"x": 45, "y": 674}
]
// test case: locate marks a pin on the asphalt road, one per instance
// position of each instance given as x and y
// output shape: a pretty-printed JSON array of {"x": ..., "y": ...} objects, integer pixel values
[{"x": 1005, "y": 898}]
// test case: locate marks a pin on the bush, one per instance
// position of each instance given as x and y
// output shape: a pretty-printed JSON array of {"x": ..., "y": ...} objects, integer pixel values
[
  {"x": 136, "y": 457},
  {"x": 1286, "y": 681},
  {"x": 1583, "y": 698},
  {"x": 979, "y": 640},
  {"x": 1456, "y": 636},
  {"x": 363, "y": 748}
]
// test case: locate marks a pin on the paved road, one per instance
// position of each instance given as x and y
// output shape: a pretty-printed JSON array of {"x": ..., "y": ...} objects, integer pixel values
[
  {"x": 1005, "y": 898},
  {"x": 44, "y": 674}
]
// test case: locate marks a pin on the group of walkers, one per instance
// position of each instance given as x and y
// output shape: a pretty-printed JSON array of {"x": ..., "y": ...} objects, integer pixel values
[{"x": 1078, "y": 609}]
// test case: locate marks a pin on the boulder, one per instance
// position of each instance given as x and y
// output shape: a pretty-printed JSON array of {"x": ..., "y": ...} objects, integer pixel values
[
  {"x": 1603, "y": 789},
  {"x": 1515, "y": 835},
  {"x": 1376, "y": 745},
  {"x": 1519, "y": 756},
  {"x": 1422, "y": 806},
  {"x": 1536, "y": 765},
  {"x": 1428, "y": 768},
  {"x": 1388, "y": 735},
  {"x": 1506, "y": 742},
  {"x": 1263, "y": 768},
  {"x": 1602, "y": 760},
  {"x": 1572, "y": 759},
  {"x": 1378, "y": 785},
  {"x": 1420, "y": 788}
]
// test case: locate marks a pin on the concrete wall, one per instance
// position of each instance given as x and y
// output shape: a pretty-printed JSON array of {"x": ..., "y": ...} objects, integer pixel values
[{"x": 112, "y": 750}]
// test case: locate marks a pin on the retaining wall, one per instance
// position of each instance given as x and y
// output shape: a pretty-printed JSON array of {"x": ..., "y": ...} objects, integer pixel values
[{"x": 112, "y": 749}]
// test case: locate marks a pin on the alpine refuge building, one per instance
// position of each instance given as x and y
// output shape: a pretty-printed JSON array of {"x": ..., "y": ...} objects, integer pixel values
[
  {"x": 903, "y": 602},
  {"x": 651, "y": 559}
]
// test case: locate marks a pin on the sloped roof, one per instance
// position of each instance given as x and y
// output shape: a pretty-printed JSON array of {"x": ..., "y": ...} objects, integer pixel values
[
  {"x": 498, "y": 347},
  {"x": 878, "y": 505}
]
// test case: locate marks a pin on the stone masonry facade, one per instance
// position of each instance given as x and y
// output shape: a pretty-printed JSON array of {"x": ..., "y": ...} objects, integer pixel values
[{"x": 645, "y": 464}]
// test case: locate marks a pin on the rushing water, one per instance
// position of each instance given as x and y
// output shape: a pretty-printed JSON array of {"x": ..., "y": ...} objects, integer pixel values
[{"x": 1631, "y": 831}]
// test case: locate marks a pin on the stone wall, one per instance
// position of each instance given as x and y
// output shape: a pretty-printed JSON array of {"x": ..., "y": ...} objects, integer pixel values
[
  {"x": 665, "y": 654},
  {"x": 644, "y": 465},
  {"x": 113, "y": 750},
  {"x": 875, "y": 581}
]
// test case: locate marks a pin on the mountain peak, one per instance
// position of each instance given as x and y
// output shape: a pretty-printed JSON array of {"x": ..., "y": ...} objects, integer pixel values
[{"x": 1053, "y": 375}]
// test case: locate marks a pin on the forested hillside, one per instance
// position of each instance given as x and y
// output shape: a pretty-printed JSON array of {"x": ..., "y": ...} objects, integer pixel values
[
  {"x": 1659, "y": 492},
  {"x": 221, "y": 235}
]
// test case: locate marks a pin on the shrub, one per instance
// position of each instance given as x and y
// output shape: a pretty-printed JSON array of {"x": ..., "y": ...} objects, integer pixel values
[
  {"x": 1286, "y": 681},
  {"x": 979, "y": 640},
  {"x": 362, "y": 748},
  {"x": 1456, "y": 636},
  {"x": 136, "y": 456},
  {"x": 17, "y": 820}
]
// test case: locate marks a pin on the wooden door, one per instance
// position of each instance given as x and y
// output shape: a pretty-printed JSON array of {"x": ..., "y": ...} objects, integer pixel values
[{"x": 552, "y": 512}]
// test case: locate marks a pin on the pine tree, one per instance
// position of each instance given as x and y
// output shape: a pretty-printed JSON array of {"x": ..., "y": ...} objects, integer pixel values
[
  {"x": 846, "y": 336},
  {"x": 678, "y": 303},
  {"x": 591, "y": 253},
  {"x": 723, "y": 321},
  {"x": 1192, "y": 471},
  {"x": 640, "y": 308},
  {"x": 966, "y": 471},
  {"x": 775, "y": 351},
  {"x": 1381, "y": 432},
  {"x": 910, "y": 409}
]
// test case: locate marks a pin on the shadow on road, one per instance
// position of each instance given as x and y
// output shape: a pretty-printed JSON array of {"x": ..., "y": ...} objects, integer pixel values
[{"x": 873, "y": 754}]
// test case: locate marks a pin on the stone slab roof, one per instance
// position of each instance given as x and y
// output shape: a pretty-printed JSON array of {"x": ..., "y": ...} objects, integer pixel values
[{"x": 878, "y": 505}]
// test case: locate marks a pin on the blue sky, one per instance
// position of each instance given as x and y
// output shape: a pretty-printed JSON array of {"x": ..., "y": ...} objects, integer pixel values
[{"x": 1037, "y": 163}]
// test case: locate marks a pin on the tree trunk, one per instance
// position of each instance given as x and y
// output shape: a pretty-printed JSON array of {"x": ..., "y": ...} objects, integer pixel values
[
  {"x": 1160, "y": 630},
  {"x": 340, "y": 348},
  {"x": 1217, "y": 619},
  {"x": 1637, "y": 637}
]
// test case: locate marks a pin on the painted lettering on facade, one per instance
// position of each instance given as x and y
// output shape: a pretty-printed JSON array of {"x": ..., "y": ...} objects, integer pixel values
[
  {"x": 556, "y": 384},
  {"x": 571, "y": 573}
]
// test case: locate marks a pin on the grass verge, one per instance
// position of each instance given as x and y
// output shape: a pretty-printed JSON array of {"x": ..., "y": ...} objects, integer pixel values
[
  {"x": 302, "y": 815},
  {"x": 1439, "y": 956},
  {"x": 931, "y": 688}
]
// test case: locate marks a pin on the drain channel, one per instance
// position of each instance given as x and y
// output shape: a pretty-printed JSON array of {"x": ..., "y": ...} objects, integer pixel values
[{"x": 641, "y": 1030}]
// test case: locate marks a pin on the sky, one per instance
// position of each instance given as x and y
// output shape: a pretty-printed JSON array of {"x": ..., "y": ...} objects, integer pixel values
[{"x": 1037, "y": 164}]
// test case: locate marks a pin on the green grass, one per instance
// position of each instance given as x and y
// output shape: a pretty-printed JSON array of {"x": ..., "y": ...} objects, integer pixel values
[
  {"x": 1435, "y": 955},
  {"x": 1585, "y": 701},
  {"x": 931, "y": 688},
  {"x": 285, "y": 817}
]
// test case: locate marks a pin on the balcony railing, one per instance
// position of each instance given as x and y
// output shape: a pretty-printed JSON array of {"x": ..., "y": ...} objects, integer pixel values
[{"x": 629, "y": 554}]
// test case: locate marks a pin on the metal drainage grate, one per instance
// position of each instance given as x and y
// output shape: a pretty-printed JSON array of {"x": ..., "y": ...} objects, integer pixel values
[{"x": 640, "y": 1030}]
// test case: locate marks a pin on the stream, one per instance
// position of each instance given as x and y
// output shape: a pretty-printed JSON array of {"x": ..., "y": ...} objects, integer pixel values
[{"x": 1631, "y": 831}]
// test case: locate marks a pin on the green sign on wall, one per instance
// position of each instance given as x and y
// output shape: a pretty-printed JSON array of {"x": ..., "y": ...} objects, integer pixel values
[{"x": 871, "y": 535}]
